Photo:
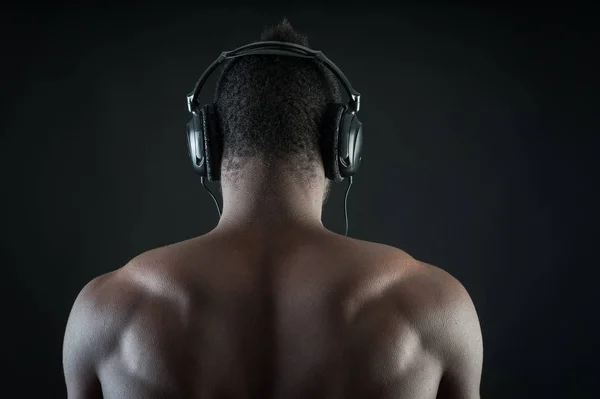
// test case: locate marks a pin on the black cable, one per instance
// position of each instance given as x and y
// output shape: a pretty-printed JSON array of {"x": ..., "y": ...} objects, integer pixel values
[
  {"x": 346, "y": 205},
  {"x": 211, "y": 194}
]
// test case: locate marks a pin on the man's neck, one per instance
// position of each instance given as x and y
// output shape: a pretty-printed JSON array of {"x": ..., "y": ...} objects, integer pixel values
[{"x": 269, "y": 197}]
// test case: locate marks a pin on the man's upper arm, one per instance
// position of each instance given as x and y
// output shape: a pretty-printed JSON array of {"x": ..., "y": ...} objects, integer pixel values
[
  {"x": 461, "y": 343},
  {"x": 86, "y": 341}
]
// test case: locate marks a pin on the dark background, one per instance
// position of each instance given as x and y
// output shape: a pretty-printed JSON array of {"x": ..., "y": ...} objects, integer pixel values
[{"x": 479, "y": 158}]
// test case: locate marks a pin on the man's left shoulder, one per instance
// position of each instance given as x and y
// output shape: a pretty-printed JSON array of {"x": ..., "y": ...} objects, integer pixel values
[{"x": 98, "y": 314}]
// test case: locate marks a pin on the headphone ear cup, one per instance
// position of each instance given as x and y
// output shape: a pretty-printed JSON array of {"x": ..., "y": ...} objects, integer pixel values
[
  {"x": 195, "y": 141},
  {"x": 350, "y": 144},
  {"x": 330, "y": 140},
  {"x": 213, "y": 142}
]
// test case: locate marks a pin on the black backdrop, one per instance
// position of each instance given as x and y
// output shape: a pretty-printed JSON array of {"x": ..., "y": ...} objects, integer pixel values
[{"x": 478, "y": 158}]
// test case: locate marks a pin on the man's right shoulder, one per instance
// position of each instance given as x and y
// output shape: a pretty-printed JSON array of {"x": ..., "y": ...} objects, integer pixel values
[
  {"x": 432, "y": 304},
  {"x": 426, "y": 291},
  {"x": 409, "y": 276},
  {"x": 426, "y": 295},
  {"x": 442, "y": 311}
]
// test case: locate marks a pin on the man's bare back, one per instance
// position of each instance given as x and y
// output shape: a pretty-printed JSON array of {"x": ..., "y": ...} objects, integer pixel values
[{"x": 246, "y": 315}]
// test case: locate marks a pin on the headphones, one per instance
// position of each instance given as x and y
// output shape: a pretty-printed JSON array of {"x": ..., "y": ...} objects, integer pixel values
[{"x": 341, "y": 145}]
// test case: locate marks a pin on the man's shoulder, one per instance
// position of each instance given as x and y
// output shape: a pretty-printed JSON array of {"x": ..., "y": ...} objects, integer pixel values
[
  {"x": 96, "y": 321},
  {"x": 102, "y": 307},
  {"x": 432, "y": 285},
  {"x": 129, "y": 309},
  {"x": 412, "y": 277},
  {"x": 427, "y": 295},
  {"x": 115, "y": 294},
  {"x": 439, "y": 307}
]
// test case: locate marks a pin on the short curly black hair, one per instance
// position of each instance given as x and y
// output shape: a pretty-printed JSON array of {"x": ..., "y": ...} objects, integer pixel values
[{"x": 273, "y": 107}]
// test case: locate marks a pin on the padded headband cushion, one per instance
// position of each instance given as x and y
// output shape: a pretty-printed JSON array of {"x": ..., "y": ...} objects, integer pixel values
[
  {"x": 330, "y": 140},
  {"x": 213, "y": 143}
]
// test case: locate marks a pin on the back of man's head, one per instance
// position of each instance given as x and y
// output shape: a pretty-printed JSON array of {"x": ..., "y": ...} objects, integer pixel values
[{"x": 273, "y": 107}]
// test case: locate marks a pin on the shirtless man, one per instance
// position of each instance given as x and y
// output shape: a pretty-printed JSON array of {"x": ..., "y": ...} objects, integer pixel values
[{"x": 271, "y": 304}]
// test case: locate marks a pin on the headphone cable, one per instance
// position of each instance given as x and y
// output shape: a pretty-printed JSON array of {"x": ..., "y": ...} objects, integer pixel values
[
  {"x": 211, "y": 194},
  {"x": 346, "y": 204}
]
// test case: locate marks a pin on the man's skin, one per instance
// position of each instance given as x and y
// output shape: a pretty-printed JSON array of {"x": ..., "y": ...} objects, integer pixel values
[{"x": 270, "y": 304}]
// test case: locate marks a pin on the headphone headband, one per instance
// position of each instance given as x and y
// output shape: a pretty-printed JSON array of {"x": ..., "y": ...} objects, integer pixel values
[{"x": 274, "y": 48}]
